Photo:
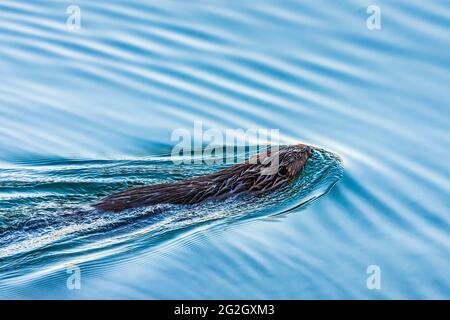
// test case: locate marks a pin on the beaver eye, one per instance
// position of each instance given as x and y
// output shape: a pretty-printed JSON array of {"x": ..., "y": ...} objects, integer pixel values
[{"x": 282, "y": 171}]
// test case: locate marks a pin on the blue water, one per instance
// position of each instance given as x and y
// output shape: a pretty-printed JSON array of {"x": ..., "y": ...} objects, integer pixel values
[{"x": 88, "y": 112}]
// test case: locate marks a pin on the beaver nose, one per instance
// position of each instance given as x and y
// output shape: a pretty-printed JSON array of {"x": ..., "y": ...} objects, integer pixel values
[{"x": 308, "y": 150}]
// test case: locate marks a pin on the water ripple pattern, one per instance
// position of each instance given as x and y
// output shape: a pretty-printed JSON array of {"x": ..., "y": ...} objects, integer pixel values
[{"x": 87, "y": 112}]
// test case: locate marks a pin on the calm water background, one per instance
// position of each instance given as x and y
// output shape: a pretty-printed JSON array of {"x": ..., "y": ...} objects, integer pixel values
[{"x": 88, "y": 112}]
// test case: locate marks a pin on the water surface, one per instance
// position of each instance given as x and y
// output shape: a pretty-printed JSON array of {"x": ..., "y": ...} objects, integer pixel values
[{"x": 86, "y": 113}]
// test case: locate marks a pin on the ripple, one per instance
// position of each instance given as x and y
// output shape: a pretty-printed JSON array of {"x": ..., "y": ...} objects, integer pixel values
[{"x": 47, "y": 233}]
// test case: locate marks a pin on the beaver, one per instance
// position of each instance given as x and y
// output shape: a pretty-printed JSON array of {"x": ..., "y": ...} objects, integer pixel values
[{"x": 250, "y": 177}]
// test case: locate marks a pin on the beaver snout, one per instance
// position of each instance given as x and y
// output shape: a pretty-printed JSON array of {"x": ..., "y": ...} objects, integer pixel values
[{"x": 308, "y": 150}]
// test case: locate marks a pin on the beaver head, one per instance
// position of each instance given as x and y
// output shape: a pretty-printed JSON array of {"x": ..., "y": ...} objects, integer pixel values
[
  {"x": 277, "y": 167},
  {"x": 287, "y": 162}
]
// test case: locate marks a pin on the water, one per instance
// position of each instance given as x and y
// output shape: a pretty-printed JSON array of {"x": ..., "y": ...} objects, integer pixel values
[{"x": 89, "y": 112}]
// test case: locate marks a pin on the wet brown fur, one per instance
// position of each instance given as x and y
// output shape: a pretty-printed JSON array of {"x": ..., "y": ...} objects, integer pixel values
[{"x": 248, "y": 177}]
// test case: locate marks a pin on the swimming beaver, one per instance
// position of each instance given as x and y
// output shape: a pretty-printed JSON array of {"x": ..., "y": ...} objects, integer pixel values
[{"x": 251, "y": 177}]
